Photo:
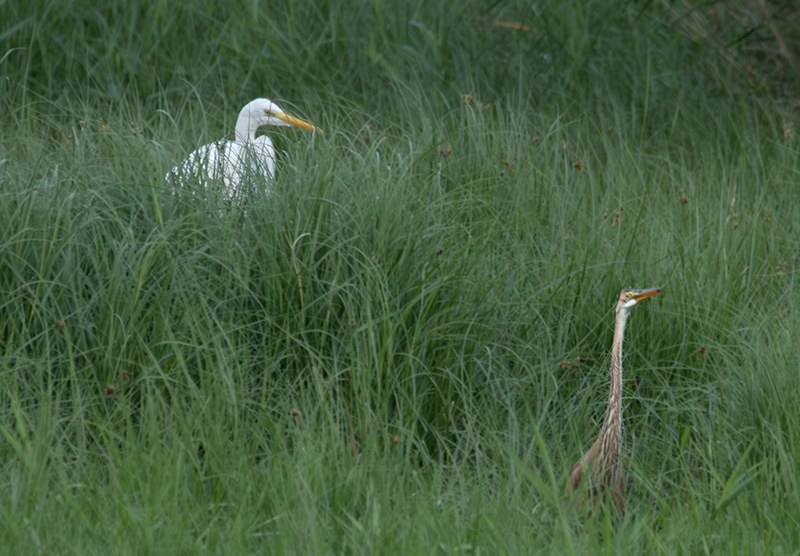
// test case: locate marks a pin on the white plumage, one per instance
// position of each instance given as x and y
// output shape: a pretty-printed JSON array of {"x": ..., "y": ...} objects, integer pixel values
[{"x": 230, "y": 162}]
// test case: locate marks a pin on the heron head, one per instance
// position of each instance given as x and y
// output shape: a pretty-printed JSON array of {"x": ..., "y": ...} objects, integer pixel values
[
  {"x": 629, "y": 298},
  {"x": 266, "y": 112}
]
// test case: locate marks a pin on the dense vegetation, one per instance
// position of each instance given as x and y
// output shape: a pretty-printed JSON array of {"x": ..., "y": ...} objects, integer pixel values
[{"x": 404, "y": 347}]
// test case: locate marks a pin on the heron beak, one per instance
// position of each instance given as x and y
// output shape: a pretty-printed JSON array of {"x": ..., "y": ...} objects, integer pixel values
[
  {"x": 295, "y": 122},
  {"x": 639, "y": 295}
]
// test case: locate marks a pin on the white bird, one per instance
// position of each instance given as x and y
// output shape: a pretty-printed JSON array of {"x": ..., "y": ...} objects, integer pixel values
[{"x": 233, "y": 161}]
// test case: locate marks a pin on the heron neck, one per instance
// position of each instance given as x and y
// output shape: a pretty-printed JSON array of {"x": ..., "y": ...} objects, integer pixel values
[
  {"x": 246, "y": 128},
  {"x": 612, "y": 425}
]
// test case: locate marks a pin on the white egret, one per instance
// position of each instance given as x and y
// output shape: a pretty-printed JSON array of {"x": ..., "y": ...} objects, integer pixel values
[{"x": 231, "y": 161}]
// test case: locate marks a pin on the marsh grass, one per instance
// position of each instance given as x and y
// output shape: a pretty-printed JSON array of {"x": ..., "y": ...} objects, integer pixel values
[{"x": 404, "y": 347}]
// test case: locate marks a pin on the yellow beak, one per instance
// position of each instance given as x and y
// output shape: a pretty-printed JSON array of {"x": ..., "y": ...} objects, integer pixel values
[
  {"x": 296, "y": 122},
  {"x": 639, "y": 295}
]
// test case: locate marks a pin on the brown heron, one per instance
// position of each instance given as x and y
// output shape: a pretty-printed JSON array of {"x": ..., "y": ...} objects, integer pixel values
[{"x": 603, "y": 462}]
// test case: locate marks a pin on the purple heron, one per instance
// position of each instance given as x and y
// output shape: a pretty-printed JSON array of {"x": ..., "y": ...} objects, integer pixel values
[{"x": 603, "y": 462}]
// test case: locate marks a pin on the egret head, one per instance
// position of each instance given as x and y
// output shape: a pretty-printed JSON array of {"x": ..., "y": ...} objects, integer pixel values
[
  {"x": 629, "y": 298},
  {"x": 266, "y": 112}
]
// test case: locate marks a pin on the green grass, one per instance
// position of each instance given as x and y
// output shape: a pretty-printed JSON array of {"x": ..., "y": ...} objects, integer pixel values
[{"x": 411, "y": 287}]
